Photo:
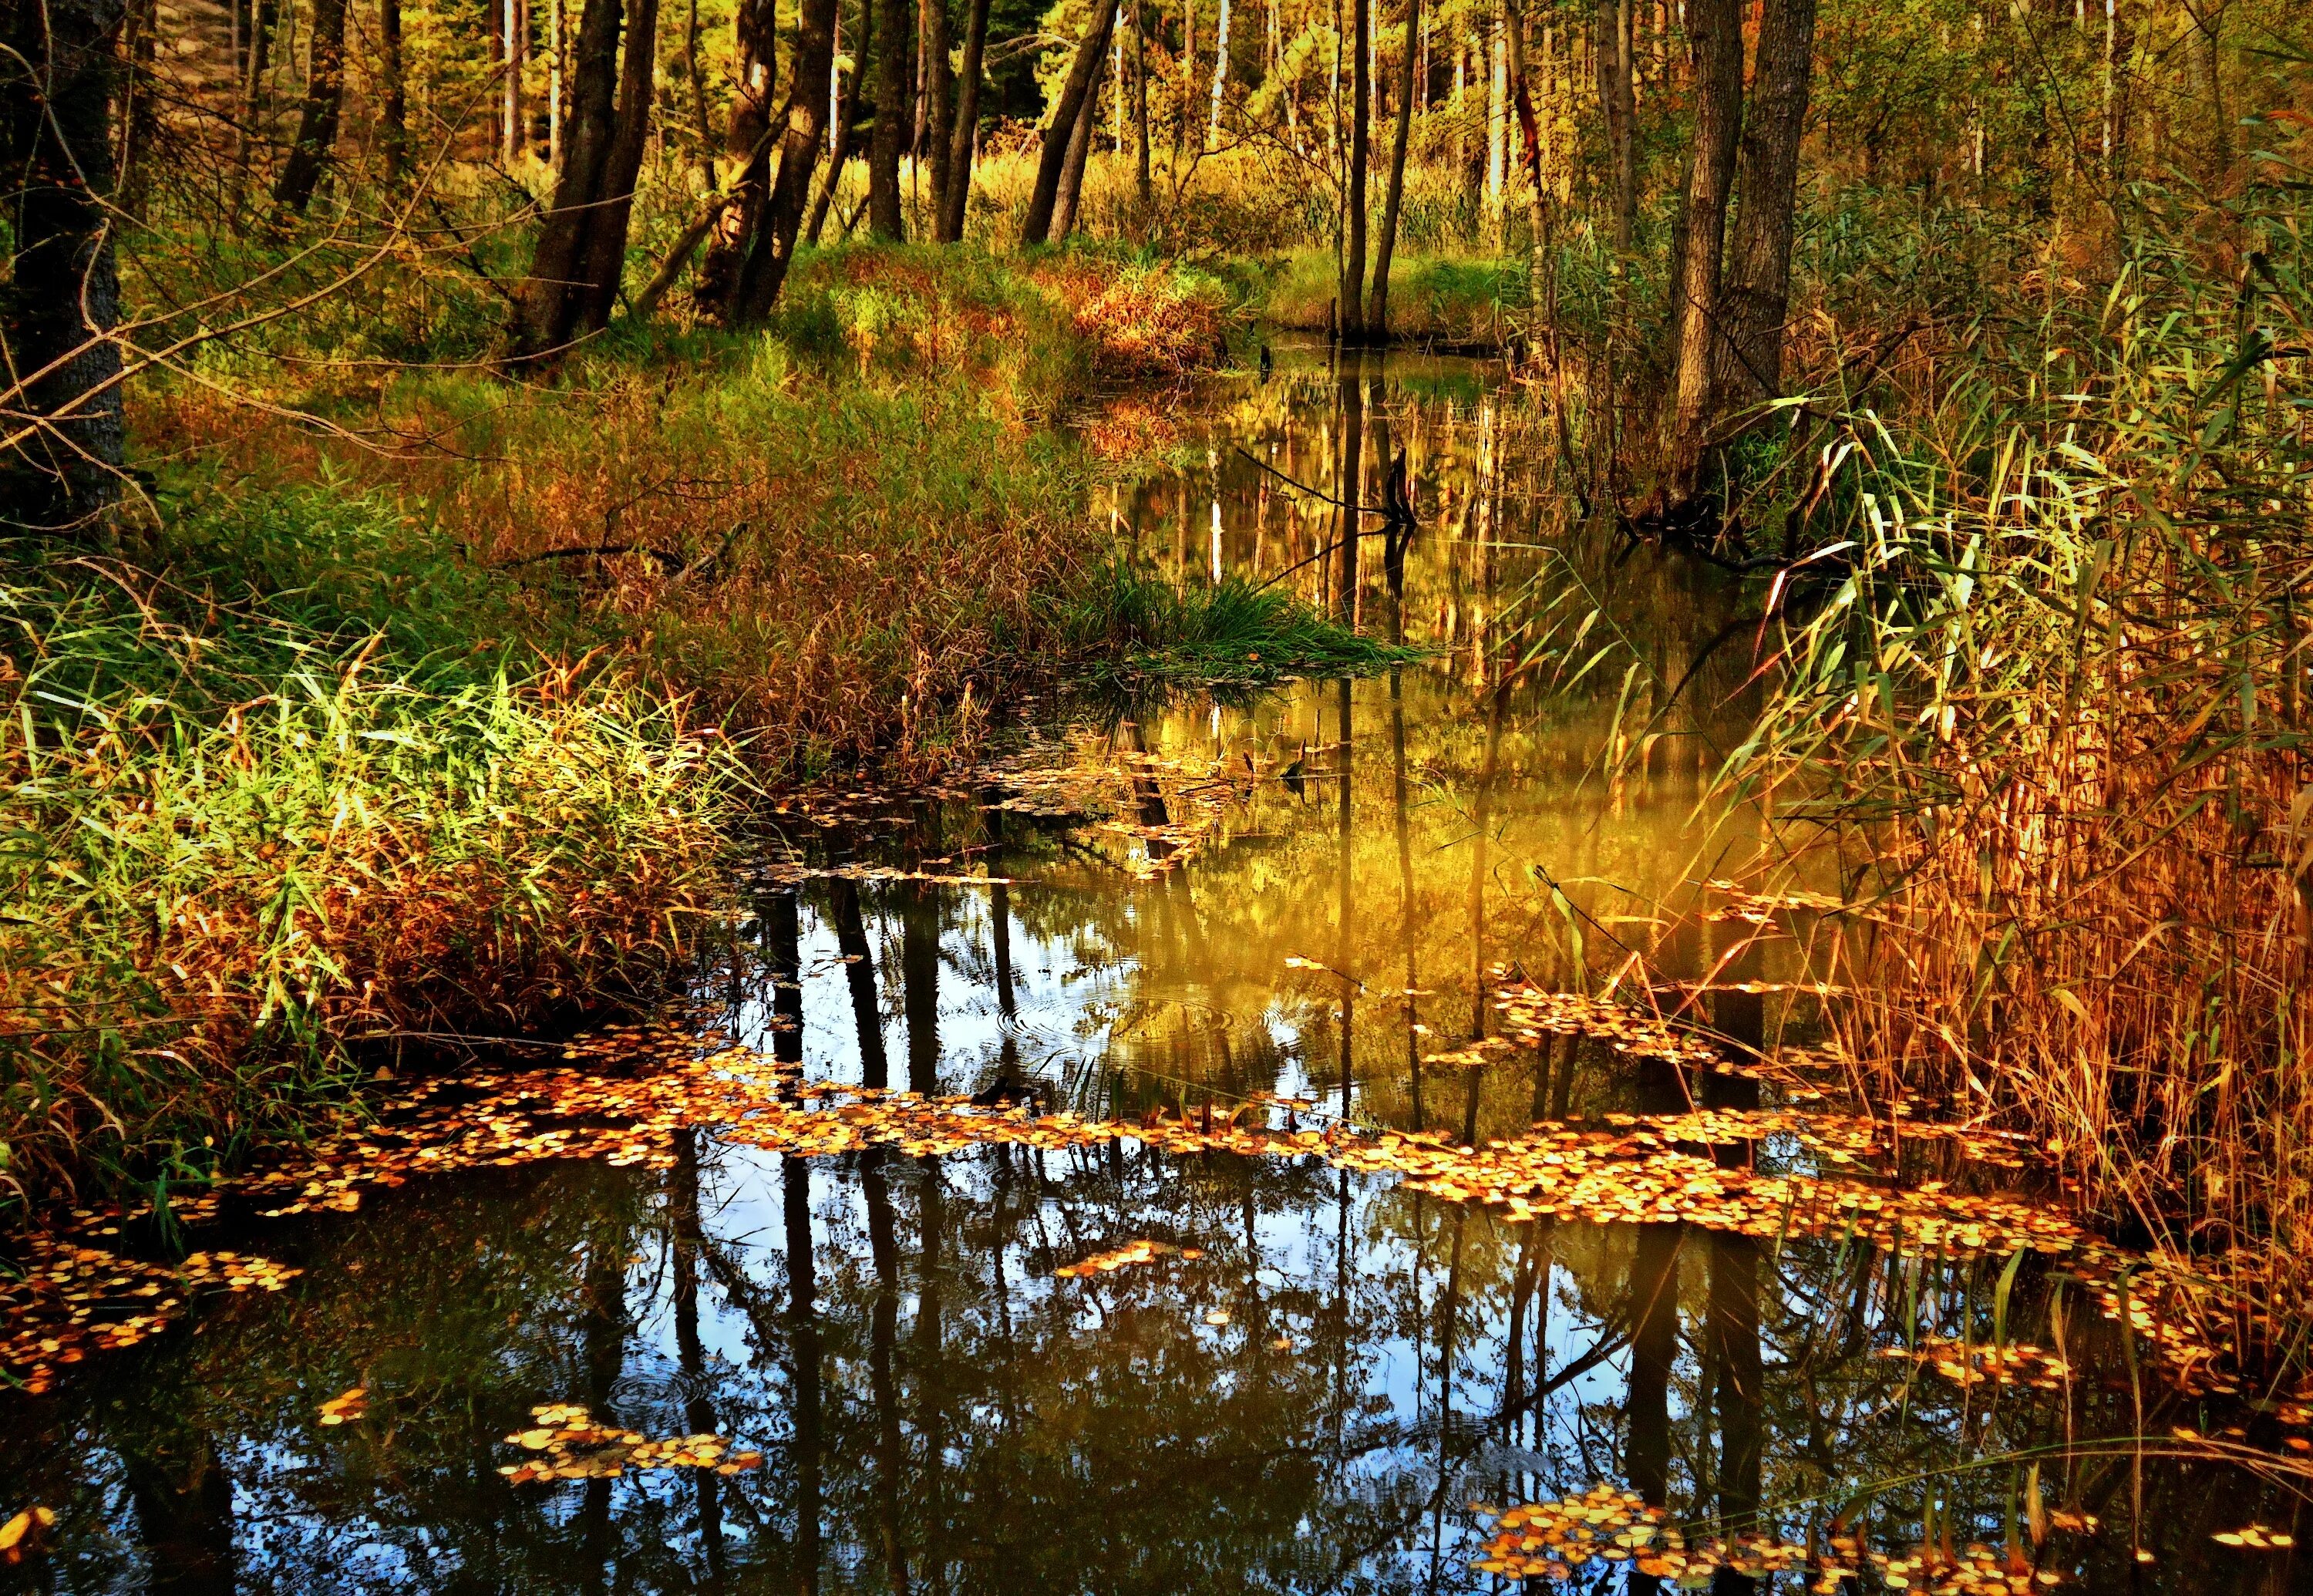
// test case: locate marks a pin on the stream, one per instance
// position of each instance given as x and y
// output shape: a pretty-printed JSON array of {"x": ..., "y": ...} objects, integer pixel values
[{"x": 1049, "y": 1361}]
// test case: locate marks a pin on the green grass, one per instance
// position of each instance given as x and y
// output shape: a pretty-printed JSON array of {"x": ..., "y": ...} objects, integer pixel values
[
  {"x": 263, "y": 797},
  {"x": 1132, "y": 627}
]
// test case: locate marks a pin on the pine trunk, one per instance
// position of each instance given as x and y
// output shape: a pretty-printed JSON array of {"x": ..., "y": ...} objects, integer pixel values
[
  {"x": 62, "y": 299},
  {"x": 1075, "y": 96},
  {"x": 955, "y": 191},
  {"x": 554, "y": 292},
  {"x": 773, "y": 249},
  {"x": 1393, "y": 202},
  {"x": 317, "y": 119},
  {"x": 1758, "y": 269},
  {"x": 890, "y": 138},
  {"x": 1715, "y": 27}
]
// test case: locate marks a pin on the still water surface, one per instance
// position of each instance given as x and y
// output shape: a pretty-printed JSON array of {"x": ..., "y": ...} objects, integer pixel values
[{"x": 1310, "y": 1383}]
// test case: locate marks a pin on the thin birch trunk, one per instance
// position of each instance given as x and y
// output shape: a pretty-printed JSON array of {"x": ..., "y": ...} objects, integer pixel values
[{"x": 1220, "y": 76}]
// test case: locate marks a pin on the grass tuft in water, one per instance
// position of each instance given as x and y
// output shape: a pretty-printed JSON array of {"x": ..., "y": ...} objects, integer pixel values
[{"x": 1132, "y": 625}]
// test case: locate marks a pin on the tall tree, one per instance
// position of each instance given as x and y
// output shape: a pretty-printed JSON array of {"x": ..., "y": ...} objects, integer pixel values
[
  {"x": 557, "y": 296},
  {"x": 956, "y": 188},
  {"x": 254, "y": 109},
  {"x": 938, "y": 103},
  {"x": 1756, "y": 293},
  {"x": 1076, "y": 100},
  {"x": 1064, "y": 203},
  {"x": 1393, "y": 200},
  {"x": 754, "y": 64},
  {"x": 1140, "y": 174},
  {"x": 393, "y": 90},
  {"x": 1715, "y": 29},
  {"x": 317, "y": 118},
  {"x": 847, "y": 116},
  {"x": 1611, "y": 44},
  {"x": 772, "y": 250},
  {"x": 606, "y": 243},
  {"x": 1220, "y": 76},
  {"x": 1352, "y": 326},
  {"x": 60, "y": 465},
  {"x": 890, "y": 138}
]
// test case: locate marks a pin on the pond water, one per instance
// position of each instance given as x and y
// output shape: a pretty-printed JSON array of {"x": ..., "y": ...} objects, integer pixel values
[{"x": 1298, "y": 1369}]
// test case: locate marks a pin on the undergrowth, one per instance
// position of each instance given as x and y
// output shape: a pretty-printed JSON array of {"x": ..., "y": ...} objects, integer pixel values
[{"x": 255, "y": 813}]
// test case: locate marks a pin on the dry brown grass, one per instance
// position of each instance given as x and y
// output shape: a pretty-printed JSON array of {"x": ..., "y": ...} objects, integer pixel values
[{"x": 845, "y": 536}]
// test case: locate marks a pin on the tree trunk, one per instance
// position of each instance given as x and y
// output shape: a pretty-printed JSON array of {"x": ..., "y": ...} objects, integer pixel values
[
  {"x": 890, "y": 134},
  {"x": 61, "y": 464},
  {"x": 1377, "y": 312},
  {"x": 939, "y": 105},
  {"x": 2208, "y": 19},
  {"x": 1715, "y": 27},
  {"x": 755, "y": 44},
  {"x": 140, "y": 125},
  {"x": 261, "y": 22},
  {"x": 317, "y": 119},
  {"x": 393, "y": 108},
  {"x": 1758, "y": 268},
  {"x": 1353, "y": 247},
  {"x": 1064, "y": 204},
  {"x": 955, "y": 191},
  {"x": 773, "y": 251},
  {"x": 1140, "y": 99},
  {"x": 1220, "y": 76},
  {"x": 1610, "y": 42},
  {"x": 605, "y": 263},
  {"x": 846, "y": 113},
  {"x": 1076, "y": 93},
  {"x": 554, "y": 293}
]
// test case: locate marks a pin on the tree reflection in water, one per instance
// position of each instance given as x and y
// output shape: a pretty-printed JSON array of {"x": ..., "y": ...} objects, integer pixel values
[{"x": 938, "y": 1413}]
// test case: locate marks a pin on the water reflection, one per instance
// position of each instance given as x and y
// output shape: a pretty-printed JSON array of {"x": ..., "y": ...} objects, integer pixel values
[
  {"x": 940, "y": 1413},
  {"x": 1314, "y": 1401}
]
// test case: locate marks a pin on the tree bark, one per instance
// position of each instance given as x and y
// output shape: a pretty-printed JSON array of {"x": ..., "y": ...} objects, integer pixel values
[
  {"x": 554, "y": 293},
  {"x": 1756, "y": 293},
  {"x": 1075, "y": 94},
  {"x": 317, "y": 119},
  {"x": 140, "y": 124},
  {"x": 1378, "y": 311},
  {"x": 847, "y": 114},
  {"x": 1715, "y": 27},
  {"x": 1140, "y": 99},
  {"x": 755, "y": 44},
  {"x": 956, "y": 191},
  {"x": 890, "y": 134},
  {"x": 1064, "y": 203},
  {"x": 63, "y": 461},
  {"x": 394, "y": 107},
  {"x": 773, "y": 249},
  {"x": 606, "y": 243},
  {"x": 262, "y": 20},
  {"x": 1220, "y": 76},
  {"x": 939, "y": 105},
  {"x": 1610, "y": 43},
  {"x": 1353, "y": 246}
]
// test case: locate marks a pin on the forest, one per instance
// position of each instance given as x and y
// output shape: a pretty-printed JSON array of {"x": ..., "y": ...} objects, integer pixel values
[{"x": 1183, "y": 795}]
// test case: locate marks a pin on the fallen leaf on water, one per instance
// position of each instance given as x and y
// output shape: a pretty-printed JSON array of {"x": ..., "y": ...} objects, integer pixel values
[{"x": 346, "y": 1406}]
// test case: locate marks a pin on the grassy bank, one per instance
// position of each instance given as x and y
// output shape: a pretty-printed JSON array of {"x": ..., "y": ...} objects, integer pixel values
[
  {"x": 259, "y": 805},
  {"x": 408, "y": 714},
  {"x": 844, "y": 535}
]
